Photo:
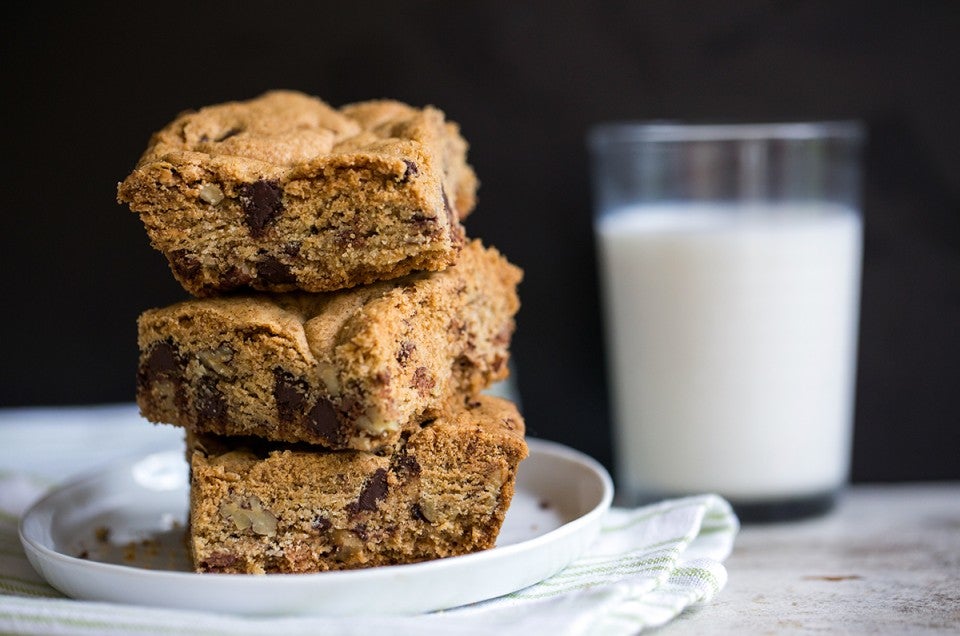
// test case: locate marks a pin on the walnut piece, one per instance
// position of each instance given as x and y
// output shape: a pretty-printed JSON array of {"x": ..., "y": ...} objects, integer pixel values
[
  {"x": 248, "y": 513},
  {"x": 348, "y": 544}
]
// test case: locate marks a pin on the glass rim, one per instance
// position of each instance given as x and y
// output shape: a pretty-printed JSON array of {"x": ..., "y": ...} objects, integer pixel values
[{"x": 668, "y": 131}]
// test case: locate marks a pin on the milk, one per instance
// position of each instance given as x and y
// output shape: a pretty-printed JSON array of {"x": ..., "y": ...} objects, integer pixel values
[{"x": 731, "y": 337}]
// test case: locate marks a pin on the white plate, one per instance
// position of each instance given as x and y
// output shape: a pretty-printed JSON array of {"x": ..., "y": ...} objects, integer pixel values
[{"x": 118, "y": 536}]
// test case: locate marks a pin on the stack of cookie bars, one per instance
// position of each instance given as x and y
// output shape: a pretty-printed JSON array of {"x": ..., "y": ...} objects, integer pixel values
[{"x": 329, "y": 371}]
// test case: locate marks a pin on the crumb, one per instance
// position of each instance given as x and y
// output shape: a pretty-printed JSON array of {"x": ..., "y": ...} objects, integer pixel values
[
  {"x": 544, "y": 504},
  {"x": 102, "y": 534}
]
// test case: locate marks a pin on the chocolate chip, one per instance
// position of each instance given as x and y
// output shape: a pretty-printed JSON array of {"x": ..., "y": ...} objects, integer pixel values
[
  {"x": 210, "y": 402},
  {"x": 262, "y": 202},
  {"x": 410, "y": 172},
  {"x": 373, "y": 491},
  {"x": 163, "y": 359},
  {"x": 361, "y": 531},
  {"x": 290, "y": 394},
  {"x": 406, "y": 466},
  {"x": 184, "y": 264},
  {"x": 219, "y": 562},
  {"x": 422, "y": 380},
  {"x": 232, "y": 278},
  {"x": 321, "y": 524},
  {"x": 271, "y": 271},
  {"x": 323, "y": 421},
  {"x": 417, "y": 513},
  {"x": 160, "y": 370},
  {"x": 406, "y": 348}
]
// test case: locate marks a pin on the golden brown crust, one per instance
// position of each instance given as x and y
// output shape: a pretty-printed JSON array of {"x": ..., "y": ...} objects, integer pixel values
[{"x": 283, "y": 192}]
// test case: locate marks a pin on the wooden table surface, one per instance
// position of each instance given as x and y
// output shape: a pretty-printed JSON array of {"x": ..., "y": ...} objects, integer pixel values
[{"x": 885, "y": 561}]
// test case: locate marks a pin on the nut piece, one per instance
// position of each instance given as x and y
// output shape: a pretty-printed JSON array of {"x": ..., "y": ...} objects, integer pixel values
[
  {"x": 217, "y": 360},
  {"x": 328, "y": 374},
  {"x": 428, "y": 510},
  {"x": 248, "y": 513},
  {"x": 348, "y": 544},
  {"x": 211, "y": 193},
  {"x": 496, "y": 476}
]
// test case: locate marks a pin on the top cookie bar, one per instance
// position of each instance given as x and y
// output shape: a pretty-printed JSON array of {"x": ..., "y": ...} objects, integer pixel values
[{"x": 284, "y": 192}]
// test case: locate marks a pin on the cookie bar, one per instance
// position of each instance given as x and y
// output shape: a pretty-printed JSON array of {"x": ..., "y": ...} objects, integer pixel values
[
  {"x": 284, "y": 192},
  {"x": 443, "y": 490},
  {"x": 346, "y": 369}
]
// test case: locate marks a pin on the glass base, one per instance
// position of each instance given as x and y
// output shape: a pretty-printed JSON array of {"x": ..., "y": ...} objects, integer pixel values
[{"x": 784, "y": 509}]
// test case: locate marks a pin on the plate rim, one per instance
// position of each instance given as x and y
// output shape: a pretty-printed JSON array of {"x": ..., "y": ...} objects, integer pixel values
[{"x": 35, "y": 547}]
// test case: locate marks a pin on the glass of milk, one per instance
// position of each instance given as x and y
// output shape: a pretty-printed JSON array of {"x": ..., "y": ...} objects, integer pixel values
[{"x": 730, "y": 259}]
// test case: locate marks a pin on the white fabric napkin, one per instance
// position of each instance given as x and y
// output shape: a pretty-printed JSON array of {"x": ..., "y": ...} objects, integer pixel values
[{"x": 646, "y": 567}]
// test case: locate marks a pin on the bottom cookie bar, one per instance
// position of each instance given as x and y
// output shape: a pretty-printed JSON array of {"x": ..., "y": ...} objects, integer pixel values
[{"x": 443, "y": 490}]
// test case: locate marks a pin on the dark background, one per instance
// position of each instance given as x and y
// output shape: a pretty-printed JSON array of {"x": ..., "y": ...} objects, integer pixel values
[{"x": 84, "y": 87}]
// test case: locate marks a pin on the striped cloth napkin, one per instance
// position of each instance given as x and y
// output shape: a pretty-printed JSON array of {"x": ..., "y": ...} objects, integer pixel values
[{"x": 646, "y": 567}]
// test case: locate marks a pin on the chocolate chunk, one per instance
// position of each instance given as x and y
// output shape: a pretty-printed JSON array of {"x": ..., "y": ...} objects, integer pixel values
[
  {"x": 361, "y": 531},
  {"x": 290, "y": 394},
  {"x": 406, "y": 348},
  {"x": 160, "y": 371},
  {"x": 406, "y": 466},
  {"x": 270, "y": 271},
  {"x": 163, "y": 359},
  {"x": 231, "y": 279},
  {"x": 210, "y": 402},
  {"x": 422, "y": 380},
  {"x": 373, "y": 491},
  {"x": 417, "y": 513},
  {"x": 262, "y": 202},
  {"x": 410, "y": 172},
  {"x": 323, "y": 421},
  {"x": 321, "y": 524},
  {"x": 219, "y": 562},
  {"x": 184, "y": 264}
]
